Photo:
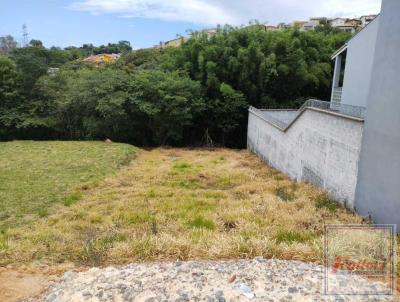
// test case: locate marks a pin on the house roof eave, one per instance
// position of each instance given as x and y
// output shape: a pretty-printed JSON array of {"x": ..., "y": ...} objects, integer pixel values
[{"x": 339, "y": 51}]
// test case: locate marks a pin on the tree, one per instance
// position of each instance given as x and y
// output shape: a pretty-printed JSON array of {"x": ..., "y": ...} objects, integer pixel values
[
  {"x": 87, "y": 103},
  {"x": 168, "y": 101},
  {"x": 36, "y": 43},
  {"x": 149, "y": 58},
  {"x": 228, "y": 112},
  {"x": 120, "y": 47},
  {"x": 9, "y": 95},
  {"x": 7, "y": 45},
  {"x": 169, "y": 96},
  {"x": 32, "y": 63},
  {"x": 9, "y": 83}
]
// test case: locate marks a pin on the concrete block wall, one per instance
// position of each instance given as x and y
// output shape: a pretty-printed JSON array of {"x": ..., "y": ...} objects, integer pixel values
[{"x": 319, "y": 147}]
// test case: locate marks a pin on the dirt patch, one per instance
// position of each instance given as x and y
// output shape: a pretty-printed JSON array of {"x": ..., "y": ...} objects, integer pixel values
[
  {"x": 15, "y": 285},
  {"x": 23, "y": 282}
]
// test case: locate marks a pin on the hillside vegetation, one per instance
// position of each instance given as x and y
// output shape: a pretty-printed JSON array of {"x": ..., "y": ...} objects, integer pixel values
[
  {"x": 197, "y": 94},
  {"x": 37, "y": 175}
]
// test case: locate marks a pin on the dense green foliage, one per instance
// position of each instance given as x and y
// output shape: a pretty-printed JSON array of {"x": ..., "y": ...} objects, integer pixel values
[{"x": 194, "y": 94}]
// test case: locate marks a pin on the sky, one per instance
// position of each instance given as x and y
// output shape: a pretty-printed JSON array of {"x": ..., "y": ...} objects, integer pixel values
[{"x": 147, "y": 22}]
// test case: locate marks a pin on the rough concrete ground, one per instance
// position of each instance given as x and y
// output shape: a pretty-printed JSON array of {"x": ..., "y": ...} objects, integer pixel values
[{"x": 236, "y": 280}]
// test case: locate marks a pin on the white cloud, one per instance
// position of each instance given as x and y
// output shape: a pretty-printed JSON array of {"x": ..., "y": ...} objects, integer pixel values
[
  {"x": 195, "y": 11},
  {"x": 211, "y": 12},
  {"x": 351, "y": 8}
]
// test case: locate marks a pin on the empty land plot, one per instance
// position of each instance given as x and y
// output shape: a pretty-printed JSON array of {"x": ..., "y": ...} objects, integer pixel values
[{"x": 184, "y": 204}]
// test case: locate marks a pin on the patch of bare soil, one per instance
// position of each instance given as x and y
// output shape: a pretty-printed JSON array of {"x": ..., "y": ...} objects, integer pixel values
[{"x": 20, "y": 283}]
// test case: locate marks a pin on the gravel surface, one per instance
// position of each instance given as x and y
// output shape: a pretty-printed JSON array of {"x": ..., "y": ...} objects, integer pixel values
[{"x": 241, "y": 280}]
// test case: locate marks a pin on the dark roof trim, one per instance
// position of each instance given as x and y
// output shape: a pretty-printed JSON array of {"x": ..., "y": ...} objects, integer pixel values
[{"x": 339, "y": 51}]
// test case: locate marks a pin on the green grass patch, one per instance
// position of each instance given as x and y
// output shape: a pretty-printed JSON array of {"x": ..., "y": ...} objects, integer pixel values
[
  {"x": 198, "y": 206},
  {"x": 138, "y": 217},
  {"x": 202, "y": 223},
  {"x": 36, "y": 175},
  {"x": 214, "y": 195},
  {"x": 286, "y": 194},
  {"x": 323, "y": 201},
  {"x": 42, "y": 212},
  {"x": 288, "y": 236},
  {"x": 3, "y": 240},
  {"x": 225, "y": 182},
  {"x": 189, "y": 184},
  {"x": 71, "y": 199},
  {"x": 182, "y": 166},
  {"x": 151, "y": 194}
]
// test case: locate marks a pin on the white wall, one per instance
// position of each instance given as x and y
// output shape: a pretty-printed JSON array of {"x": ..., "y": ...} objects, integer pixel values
[
  {"x": 378, "y": 188},
  {"x": 319, "y": 147},
  {"x": 360, "y": 55}
]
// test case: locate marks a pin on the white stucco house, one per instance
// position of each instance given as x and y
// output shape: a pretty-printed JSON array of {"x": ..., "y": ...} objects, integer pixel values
[
  {"x": 337, "y": 22},
  {"x": 324, "y": 143},
  {"x": 355, "y": 58}
]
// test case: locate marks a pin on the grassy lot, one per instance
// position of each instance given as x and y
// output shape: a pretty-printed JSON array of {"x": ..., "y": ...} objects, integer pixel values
[
  {"x": 175, "y": 204},
  {"x": 36, "y": 175}
]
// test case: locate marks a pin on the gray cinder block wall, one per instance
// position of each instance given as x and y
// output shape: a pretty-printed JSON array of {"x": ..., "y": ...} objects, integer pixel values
[
  {"x": 378, "y": 188},
  {"x": 319, "y": 147}
]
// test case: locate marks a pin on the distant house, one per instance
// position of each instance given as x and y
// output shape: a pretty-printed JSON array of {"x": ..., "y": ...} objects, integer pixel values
[
  {"x": 356, "y": 23},
  {"x": 298, "y": 24},
  {"x": 284, "y": 26},
  {"x": 318, "y": 19},
  {"x": 365, "y": 20},
  {"x": 102, "y": 58},
  {"x": 310, "y": 25},
  {"x": 348, "y": 25},
  {"x": 208, "y": 32},
  {"x": 337, "y": 22},
  {"x": 270, "y": 27},
  {"x": 172, "y": 43},
  {"x": 263, "y": 27}
]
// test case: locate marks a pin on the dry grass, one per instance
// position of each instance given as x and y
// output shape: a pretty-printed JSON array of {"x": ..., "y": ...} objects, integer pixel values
[{"x": 182, "y": 204}]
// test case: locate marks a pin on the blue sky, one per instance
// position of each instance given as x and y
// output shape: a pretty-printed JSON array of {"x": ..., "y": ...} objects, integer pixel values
[{"x": 146, "y": 22}]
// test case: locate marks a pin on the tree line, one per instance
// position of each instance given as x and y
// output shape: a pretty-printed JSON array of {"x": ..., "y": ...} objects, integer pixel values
[{"x": 195, "y": 94}]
